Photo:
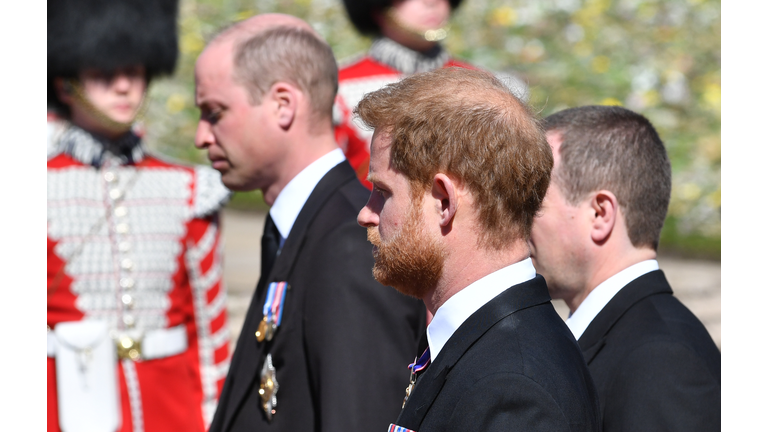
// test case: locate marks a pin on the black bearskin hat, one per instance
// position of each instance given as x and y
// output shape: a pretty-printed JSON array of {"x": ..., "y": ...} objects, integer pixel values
[
  {"x": 109, "y": 34},
  {"x": 361, "y": 13}
]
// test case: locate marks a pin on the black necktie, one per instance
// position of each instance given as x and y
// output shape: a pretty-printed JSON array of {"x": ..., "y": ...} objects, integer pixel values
[{"x": 270, "y": 243}]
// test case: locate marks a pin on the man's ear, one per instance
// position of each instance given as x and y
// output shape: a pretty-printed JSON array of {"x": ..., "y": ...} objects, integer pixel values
[
  {"x": 445, "y": 193},
  {"x": 606, "y": 211},
  {"x": 285, "y": 102}
]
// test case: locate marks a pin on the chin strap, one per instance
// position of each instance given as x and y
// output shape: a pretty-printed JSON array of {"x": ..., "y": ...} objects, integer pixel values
[
  {"x": 75, "y": 88},
  {"x": 431, "y": 35}
]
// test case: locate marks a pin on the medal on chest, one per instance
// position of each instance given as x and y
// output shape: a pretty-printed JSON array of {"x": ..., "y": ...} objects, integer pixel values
[
  {"x": 416, "y": 367},
  {"x": 268, "y": 388},
  {"x": 273, "y": 316},
  {"x": 273, "y": 311}
]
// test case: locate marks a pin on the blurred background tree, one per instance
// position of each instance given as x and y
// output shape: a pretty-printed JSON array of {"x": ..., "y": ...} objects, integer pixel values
[{"x": 660, "y": 58}]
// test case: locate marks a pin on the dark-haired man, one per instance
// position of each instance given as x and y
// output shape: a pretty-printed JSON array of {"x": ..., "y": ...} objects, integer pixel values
[
  {"x": 322, "y": 343},
  {"x": 459, "y": 167},
  {"x": 595, "y": 242}
]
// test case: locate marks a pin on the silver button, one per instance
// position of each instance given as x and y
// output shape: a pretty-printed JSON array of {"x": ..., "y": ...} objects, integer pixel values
[
  {"x": 110, "y": 176},
  {"x": 121, "y": 228},
  {"x": 124, "y": 246},
  {"x": 121, "y": 211},
  {"x": 115, "y": 193},
  {"x": 127, "y": 300},
  {"x": 126, "y": 283},
  {"x": 128, "y": 320},
  {"x": 127, "y": 264}
]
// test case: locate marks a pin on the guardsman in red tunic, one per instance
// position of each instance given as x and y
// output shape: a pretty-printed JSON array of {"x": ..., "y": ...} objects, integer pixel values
[
  {"x": 407, "y": 40},
  {"x": 137, "y": 326}
]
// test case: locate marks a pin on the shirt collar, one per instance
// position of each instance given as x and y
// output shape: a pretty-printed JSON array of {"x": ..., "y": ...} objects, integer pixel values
[
  {"x": 603, "y": 293},
  {"x": 452, "y": 314},
  {"x": 294, "y": 195}
]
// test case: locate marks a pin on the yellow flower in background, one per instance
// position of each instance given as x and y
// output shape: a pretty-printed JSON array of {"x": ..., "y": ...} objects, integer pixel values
[
  {"x": 611, "y": 102},
  {"x": 651, "y": 98},
  {"x": 600, "y": 64},
  {"x": 592, "y": 11},
  {"x": 191, "y": 43},
  {"x": 245, "y": 14},
  {"x": 503, "y": 16},
  {"x": 712, "y": 96},
  {"x": 713, "y": 199},
  {"x": 175, "y": 103},
  {"x": 690, "y": 191}
]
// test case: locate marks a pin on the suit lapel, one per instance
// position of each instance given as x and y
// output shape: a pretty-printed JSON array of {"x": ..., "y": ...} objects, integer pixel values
[
  {"x": 649, "y": 284},
  {"x": 429, "y": 384},
  {"x": 248, "y": 352},
  {"x": 328, "y": 185}
]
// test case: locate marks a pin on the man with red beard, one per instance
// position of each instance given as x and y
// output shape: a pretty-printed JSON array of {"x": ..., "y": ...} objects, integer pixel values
[{"x": 459, "y": 168}]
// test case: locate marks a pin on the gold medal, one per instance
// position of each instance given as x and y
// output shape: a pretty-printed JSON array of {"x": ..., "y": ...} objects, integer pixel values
[
  {"x": 261, "y": 332},
  {"x": 407, "y": 393},
  {"x": 412, "y": 382},
  {"x": 268, "y": 388}
]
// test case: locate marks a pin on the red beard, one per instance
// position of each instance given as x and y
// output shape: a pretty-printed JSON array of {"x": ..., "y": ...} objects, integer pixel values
[{"x": 411, "y": 261}]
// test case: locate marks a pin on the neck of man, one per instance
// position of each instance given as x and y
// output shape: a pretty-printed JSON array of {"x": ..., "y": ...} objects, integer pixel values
[
  {"x": 305, "y": 146},
  {"x": 466, "y": 265},
  {"x": 608, "y": 260}
]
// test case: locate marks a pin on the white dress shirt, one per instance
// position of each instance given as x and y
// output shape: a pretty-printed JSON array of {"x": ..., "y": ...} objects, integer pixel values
[
  {"x": 294, "y": 195},
  {"x": 464, "y": 303},
  {"x": 603, "y": 293}
]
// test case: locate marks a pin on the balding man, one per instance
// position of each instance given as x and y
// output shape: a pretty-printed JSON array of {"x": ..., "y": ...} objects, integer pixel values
[{"x": 323, "y": 346}]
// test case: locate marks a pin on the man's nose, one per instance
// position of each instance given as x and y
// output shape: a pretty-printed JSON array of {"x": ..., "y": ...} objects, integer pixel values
[
  {"x": 203, "y": 136},
  {"x": 367, "y": 217}
]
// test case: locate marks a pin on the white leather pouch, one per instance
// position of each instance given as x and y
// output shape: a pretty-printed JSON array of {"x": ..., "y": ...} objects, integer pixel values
[{"x": 86, "y": 377}]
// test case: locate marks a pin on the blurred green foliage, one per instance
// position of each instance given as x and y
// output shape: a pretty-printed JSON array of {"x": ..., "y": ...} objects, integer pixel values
[{"x": 660, "y": 58}]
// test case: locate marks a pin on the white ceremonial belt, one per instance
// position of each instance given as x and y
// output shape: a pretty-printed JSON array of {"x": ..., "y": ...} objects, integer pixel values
[{"x": 155, "y": 344}]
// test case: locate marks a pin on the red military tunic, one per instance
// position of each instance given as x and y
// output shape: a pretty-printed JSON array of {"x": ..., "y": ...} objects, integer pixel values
[
  {"x": 386, "y": 62},
  {"x": 134, "y": 241}
]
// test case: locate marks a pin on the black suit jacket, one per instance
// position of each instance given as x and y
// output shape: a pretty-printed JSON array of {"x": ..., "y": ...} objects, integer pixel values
[
  {"x": 512, "y": 366},
  {"x": 654, "y": 363},
  {"x": 342, "y": 350}
]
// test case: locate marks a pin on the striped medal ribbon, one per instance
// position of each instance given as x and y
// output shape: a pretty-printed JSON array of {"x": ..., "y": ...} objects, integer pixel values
[
  {"x": 417, "y": 366},
  {"x": 272, "y": 310}
]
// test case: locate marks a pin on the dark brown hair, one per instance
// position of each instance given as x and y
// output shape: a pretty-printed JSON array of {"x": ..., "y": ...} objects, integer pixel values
[
  {"x": 613, "y": 148},
  {"x": 468, "y": 125}
]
